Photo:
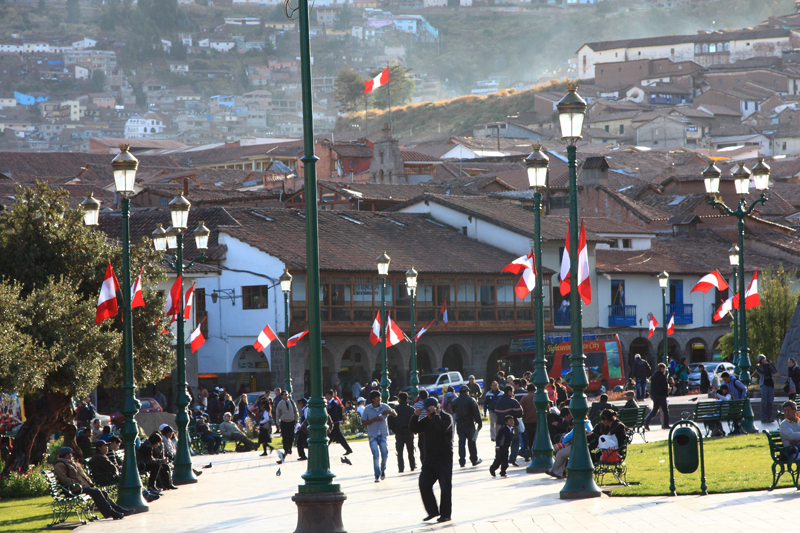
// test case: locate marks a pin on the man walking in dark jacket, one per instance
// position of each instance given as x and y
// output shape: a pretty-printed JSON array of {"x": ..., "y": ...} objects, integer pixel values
[
  {"x": 403, "y": 438},
  {"x": 489, "y": 401},
  {"x": 467, "y": 415},
  {"x": 335, "y": 412},
  {"x": 641, "y": 371},
  {"x": 438, "y": 463},
  {"x": 659, "y": 389},
  {"x": 507, "y": 405}
]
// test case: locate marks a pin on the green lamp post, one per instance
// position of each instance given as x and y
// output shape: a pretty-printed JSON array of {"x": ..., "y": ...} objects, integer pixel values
[
  {"x": 542, "y": 452},
  {"x": 286, "y": 287},
  {"x": 411, "y": 286},
  {"x": 580, "y": 480},
  {"x": 741, "y": 180},
  {"x": 663, "y": 282},
  {"x": 383, "y": 271},
  {"x": 173, "y": 240},
  {"x": 733, "y": 257}
]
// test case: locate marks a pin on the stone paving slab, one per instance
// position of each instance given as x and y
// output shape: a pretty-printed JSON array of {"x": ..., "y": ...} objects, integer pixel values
[{"x": 242, "y": 493}]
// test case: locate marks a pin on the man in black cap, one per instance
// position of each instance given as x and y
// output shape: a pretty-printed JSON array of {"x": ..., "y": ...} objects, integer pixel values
[
  {"x": 103, "y": 469},
  {"x": 69, "y": 473},
  {"x": 437, "y": 426},
  {"x": 403, "y": 438},
  {"x": 467, "y": 415}
]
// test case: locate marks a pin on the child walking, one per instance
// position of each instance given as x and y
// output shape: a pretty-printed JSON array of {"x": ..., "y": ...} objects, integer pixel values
[{"x": 502, "y": 445}]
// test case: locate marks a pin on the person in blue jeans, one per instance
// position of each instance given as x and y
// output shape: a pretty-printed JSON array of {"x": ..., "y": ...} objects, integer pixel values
[
  {"x": 641, "y": 371},
  {"x": 374, "y": 418}
]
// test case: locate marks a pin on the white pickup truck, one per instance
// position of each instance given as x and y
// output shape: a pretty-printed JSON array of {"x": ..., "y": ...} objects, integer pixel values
[{"x": 433, "y": 383}]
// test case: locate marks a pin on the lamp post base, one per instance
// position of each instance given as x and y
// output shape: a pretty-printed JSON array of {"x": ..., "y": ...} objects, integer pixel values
[
  {"x": 580, "y": 485},
  {"x": 541, "y": 464},
  {"x": 184, "y": 478},
  {"x": 579, "y": 494},
  {"x": 319, "y": 512},
  {"x": 748, "y": 425}
]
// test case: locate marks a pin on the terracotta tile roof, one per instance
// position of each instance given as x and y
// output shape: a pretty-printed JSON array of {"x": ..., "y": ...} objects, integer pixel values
[
  {"x": 232, "y": 154},
  {"x": 77, "y": 194},
  {"x": 412, "y": 156},
  {"x": 708, "y": 37},
  {"x": 350, "y": 241},
  {"x": 789, "y": 191},
  {"x": 67, "y": 164},
  {"x": 202, "y": 196},
  {"x": 355, "y": 150}
]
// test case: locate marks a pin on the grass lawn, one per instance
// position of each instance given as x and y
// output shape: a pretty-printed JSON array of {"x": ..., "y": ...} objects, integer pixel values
[
  {"x": 733, "y": 464},
  {"x": 25, "y": 514}
]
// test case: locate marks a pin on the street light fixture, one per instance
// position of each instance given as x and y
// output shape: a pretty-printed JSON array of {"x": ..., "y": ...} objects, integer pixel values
[
  {"x": 172, "y": 238},
  {"x": 286, "y": 287},
  {"x": 159, "y": 237},
  {"x": 201, "y": 235},
  {"x": 91, "y": 211},
  {"x": 129, "y": 493},
  {"x": 580, "y": 482},
  {"x": 542, "y": 452},
  {"x": 663, "y": 282},
  {"x": 733, "y": 257},
  {"x": 179, "y": 212},
  {"x": 383, "y": 271},
  {"x": 741, "y": 212},
  {"x": 711, "y": 178},
  {"x": 411, "y": 287}
]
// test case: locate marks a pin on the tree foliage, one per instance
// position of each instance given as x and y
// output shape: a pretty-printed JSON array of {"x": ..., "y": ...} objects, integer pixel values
[
  {"x": 400, "y": 87},
  {"x": 73, "y": 11},
  {"x": 348, "y": 90},
  {"x": 768, "y": 323}
]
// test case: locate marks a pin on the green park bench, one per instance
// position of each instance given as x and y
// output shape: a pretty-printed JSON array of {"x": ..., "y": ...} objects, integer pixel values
[
  {"x": 617, "y": 469},
  {"x": 715, "y": 413},
  {"x": 781, "y": 461},
  {"x": 65, "y": 502},
  {"x": 633, "y": 419}
]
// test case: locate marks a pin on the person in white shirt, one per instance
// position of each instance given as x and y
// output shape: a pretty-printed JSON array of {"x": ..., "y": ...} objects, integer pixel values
[
  {"x": 790, "y": 430},
  {"x": 362, "y": 403}
]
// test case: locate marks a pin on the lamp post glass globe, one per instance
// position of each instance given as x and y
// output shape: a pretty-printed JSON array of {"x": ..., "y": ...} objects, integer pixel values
[
  {"x": 160, "y": 238},
  {"x": 571, "y": 111},
  {"x": 537, "y": 163},
  {"x": 711, "y": 178},
  {"x": 91, "y": 211},
  {"x": 411, "y": 280},
  {"x": 383, "y": 264},
  {"x": 663, "y": 280},
  {"x": 733, "y": 256},
  {"x": 124, "y": 166},
  {"x": 172, "y": 238},
  {"x": 201, "y": 235},
  {"x": 286, "y": 281},
  {"x": 741, "y": 180},
  {"x": 179, "y": 212},
  {"x": 761, "y": 175}
]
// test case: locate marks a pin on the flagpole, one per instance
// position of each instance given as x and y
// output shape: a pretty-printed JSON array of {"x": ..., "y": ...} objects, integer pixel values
[
  {"x": 389, "y": 94},
  {"x": 366, "y": 121}
]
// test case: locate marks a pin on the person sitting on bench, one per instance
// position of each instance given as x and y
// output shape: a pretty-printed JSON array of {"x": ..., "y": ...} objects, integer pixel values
[{"x": 231, "y": 431}]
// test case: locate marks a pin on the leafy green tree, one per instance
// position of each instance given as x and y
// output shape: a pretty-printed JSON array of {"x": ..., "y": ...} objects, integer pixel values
[
  {"x": 178, "y": 50},
  {"x": 768, "y": 323},
  {"x": 348, "y": 89},
  {"x": 98, "y": 81},
  {"x": 51, "y": 350},
  {"x": 73, "y": 11},
  {"x": 400, "y": 87}
]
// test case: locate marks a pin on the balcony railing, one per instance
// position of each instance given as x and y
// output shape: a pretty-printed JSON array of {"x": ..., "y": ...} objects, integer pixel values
[
  {"x": 683, "y": 313},
  {"x": 562, "y": 316},
  {"x": 621, "y": 315}
]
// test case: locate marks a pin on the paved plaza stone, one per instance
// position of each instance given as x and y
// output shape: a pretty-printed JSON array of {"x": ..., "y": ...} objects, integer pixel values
[{"x": 242, "y": 493}]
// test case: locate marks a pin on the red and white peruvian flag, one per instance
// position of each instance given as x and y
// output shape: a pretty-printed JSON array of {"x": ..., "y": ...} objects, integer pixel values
[
  {"x": 172, "y": 306},
  {"x": 564, "y": 287},
  {"x": 293, "y": 340},
  {"x": 584, "y": 278},
  {"x": 526, "y": 266},
  {"x": 378, "y": 81},
  {"x": 375, "y": 333},
  {"x": 264, "y": 338},
  {"x": 710, "y": 281},
  {"x": 671, "y": 325},
  {"x": 751, "y": 298},
  {"x": 444, "y": 315},
  {"x": 394, "y": 334},
  {"x": 107, "y": 302},
  {"x": 196, "y": 339},
  {"x": 653, "y": 325},
  {"x": 725, "y": 308},
  {"x": 425, "y": 328},
  {"x": 188, "y": 300},
  {"x": 137, "y": 300}
]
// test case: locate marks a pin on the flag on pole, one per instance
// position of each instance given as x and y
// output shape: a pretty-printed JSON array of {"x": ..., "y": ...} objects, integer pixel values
[
  {"x": 188, "y": 300},
  {"x": 393, "y": 332},
  {"x": 724, "y": 309},
  {"x": 378, "y": 81},
  {"x": 671, "y": 325},
  {"x": 526, "y": 266},
  {"x": 293, "y": 340},
  {"x": 425, "y": 328},
  {"x": 375, "y": 333},
  {"x": 137, "y": 300},
  {"x": 751, "y": 298},
  {"x": 264, "y": 338},
  {"x": 196, "y": 339},
  {"x": 584, "y": 278},
  {"x": 174, "y": 297},
  {"x": 444, "y": 314},
  {"x": 564, "y": 286},
  {"x": 653, "y": 325},
  {"x": 107, "y": 302},
  {"x": 710, "y": 281}
]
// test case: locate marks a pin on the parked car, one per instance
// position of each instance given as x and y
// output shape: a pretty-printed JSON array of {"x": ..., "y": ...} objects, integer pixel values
[
  {"x": 149, "y": 405},
  {"x": 711, "y": 369},
  {"x": 434, "y": 383}
]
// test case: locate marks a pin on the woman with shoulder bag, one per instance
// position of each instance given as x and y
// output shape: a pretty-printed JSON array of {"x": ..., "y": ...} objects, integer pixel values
[{"x": 265, "y": 427}]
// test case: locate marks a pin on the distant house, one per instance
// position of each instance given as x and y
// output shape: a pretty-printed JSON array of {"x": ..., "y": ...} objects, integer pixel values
[
  {"x": 179, "y": 67},
  {"x": 222, "y": 45},
  {"x": 150, "y": 124}
]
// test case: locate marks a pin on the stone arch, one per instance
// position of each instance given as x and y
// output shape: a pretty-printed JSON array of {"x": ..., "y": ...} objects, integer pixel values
[
  {"x": 715, "y": 346},
  {"x": 454, "y": 358},
  {"x": 329, "y": 371},
  {"x": 353, "y": 367},
  {"x": 398, "y": 375},
  {"x": 673, "y": 351},
  {"x": 492, "y": 363},
  {"x": 425, "y": 358},
  {"x": 697, "y": 350},
  {"x": 643, "y": 347},
  {"x": 251, "y": 368},
  {"x": 380, "y": 176}
]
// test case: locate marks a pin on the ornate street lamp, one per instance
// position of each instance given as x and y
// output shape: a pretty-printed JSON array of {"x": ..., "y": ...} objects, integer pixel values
[
  {"x": 663, "y": 282},
  {"x": 580, "y": 482},
  {"x": 411, "y": 286},
  {"x": 286, "y": 287},
  {"x": 383, "y": 271},
  {"x": 733, "y": 257},
  {"x": 91, "y": 211},
  {"x": 173, "y": 239},
  {"x": 741, "y": 177},
  {"x": 129, "y": 492},
  {"x": 542, "y": 453}
]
